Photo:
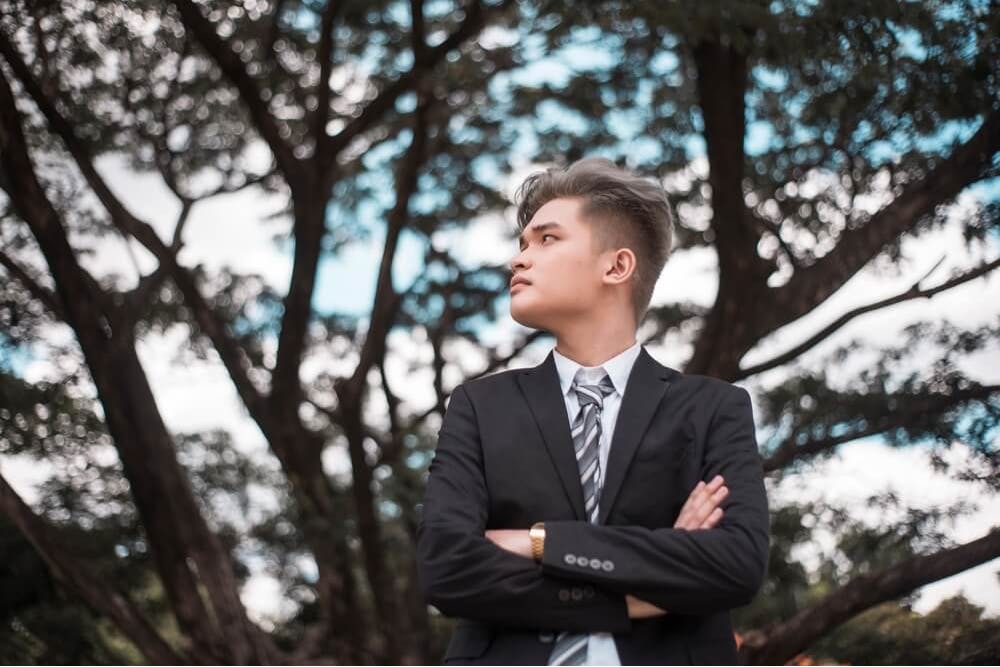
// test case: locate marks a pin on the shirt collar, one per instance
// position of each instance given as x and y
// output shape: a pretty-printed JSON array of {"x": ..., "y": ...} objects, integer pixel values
[{"x": 617, "y": 367}]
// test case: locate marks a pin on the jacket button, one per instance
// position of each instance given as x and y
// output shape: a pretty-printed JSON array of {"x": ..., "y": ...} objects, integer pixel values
[
  {"x": 546, "y": 636},
  {"x": 564, "y": 594},
  {"x": 607, "y": 566},
  {"x": 577, "y": 593},
  {"x": 588, "y": 591},
  {"x": 582, "y": 561},
  {"x": 595, "y": 563},
  {"x": 569, "y": 559}
]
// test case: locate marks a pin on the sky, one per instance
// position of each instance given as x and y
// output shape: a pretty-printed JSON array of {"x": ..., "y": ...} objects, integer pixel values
[{"x": 230, "y": 232}]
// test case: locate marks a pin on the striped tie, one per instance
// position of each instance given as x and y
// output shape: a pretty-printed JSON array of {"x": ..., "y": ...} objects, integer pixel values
[{"x": 571, "y": 647}]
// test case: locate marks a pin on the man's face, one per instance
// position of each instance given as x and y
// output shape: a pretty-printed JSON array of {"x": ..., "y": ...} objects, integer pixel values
[{"x": 558, "y": 258}]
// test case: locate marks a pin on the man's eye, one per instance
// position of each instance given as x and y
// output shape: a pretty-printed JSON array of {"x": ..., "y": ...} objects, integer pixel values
[{"x": 544, "y": 235}]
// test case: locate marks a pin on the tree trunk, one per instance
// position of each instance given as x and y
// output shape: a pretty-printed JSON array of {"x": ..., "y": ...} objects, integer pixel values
[
  {"x": 729, "y": 327},
  {"x": 188, "y": 555}
]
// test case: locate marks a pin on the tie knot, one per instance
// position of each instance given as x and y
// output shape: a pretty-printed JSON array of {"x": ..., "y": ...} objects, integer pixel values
[{"x": 592, "y": 392}]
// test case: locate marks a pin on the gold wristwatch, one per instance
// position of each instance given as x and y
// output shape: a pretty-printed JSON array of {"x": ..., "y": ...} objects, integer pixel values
[{"x": 537, "y": 535}]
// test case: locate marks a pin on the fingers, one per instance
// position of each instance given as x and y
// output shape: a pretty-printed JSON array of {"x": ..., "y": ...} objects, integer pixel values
[
  {"x": 708, "y": 513},
  {"x": 713, "y": 519},
  {"x": 696, "y": 501},
  {"x": 708, "y": 496},
  {"x": 701, "y": 510}
]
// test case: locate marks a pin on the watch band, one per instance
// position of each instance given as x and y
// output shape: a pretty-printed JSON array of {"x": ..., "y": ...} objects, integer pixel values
[{"x": 537, "y": 534}]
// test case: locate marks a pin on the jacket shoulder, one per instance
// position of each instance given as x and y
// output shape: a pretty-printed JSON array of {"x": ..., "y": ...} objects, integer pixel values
[
  {"x": 712, "y": 388},
  {"x": 487, "y": 384}
]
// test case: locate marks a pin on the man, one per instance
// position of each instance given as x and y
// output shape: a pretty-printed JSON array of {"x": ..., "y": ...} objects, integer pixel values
[{"x": 575, "y": 512}]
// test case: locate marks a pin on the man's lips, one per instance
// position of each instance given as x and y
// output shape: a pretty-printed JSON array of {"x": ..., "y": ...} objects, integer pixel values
[{"x": 517, "y": 280}]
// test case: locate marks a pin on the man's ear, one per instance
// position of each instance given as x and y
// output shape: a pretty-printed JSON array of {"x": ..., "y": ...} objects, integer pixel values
[{"x": 621, "y": 266}]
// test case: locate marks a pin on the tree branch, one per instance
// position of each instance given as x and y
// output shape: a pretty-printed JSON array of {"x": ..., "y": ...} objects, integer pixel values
[
  {"x": 775, "y": 230},
  {"x": 336, "y": 416},
  {"x": 814, "y": 284},
  {"x": 780, "y": 642},
  {"x": 386, "y": 302},
  {"x": 475, "y": 18},
  {"x": 231, "y": 66},
  {"x": 75, "y": 574},
  {"x": 49, "y": 299},
  {"x": 352, "y": 391},
  {"x": 418, "y": 31},
  {"x": 322, "y": 112},
  {"x": 913, "y": 292},
  {"x": 495, "y": 361},
  {"x": 918, "y": 409},
  {"x": 177, "y": 241},
  {"x": 391, "y": 450}
]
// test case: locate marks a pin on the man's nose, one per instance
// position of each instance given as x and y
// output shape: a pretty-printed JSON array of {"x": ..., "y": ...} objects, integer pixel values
[{"x": 518, "y": 263}]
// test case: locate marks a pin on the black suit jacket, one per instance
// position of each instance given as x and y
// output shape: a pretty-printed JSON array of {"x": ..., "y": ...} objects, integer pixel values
[{"x": 505, "y": 459}]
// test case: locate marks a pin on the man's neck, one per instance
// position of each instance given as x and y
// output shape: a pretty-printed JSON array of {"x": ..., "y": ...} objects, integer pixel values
[{"x": 593, "y": 345}]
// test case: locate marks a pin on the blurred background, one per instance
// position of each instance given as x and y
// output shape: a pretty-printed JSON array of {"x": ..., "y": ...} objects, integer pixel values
[{"x": 248, "y": 248}]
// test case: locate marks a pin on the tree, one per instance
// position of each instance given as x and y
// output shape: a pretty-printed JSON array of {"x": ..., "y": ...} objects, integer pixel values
[
  {"x": 402, "y": 116},
  {"x": 955, "y": 632}
]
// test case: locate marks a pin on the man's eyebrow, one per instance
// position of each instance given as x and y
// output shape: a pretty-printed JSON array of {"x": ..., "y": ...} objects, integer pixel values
[{"x": 537, "y": 228}]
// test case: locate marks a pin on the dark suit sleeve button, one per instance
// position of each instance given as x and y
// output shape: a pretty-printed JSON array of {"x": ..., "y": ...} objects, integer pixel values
[{"x": 563, "y": 594}]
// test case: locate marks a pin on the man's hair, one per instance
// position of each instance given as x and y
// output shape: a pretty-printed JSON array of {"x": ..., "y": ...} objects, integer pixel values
[{"x": 624, "y": 210}]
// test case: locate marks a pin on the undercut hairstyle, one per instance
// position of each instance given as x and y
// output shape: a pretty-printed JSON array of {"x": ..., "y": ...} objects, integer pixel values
[{"x": 623, "y": 209}]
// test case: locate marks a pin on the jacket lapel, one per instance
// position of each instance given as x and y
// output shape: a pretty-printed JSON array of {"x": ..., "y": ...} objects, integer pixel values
[
  {"x": 545, "y": 400},
  {"x": 646, "y": 385}
]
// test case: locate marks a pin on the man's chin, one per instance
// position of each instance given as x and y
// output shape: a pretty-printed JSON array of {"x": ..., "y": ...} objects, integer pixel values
[{"x": 527, "y": 317}]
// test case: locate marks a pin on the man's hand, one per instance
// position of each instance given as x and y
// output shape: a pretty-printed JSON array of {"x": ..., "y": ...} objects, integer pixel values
[{"x": 701, "y": 510}]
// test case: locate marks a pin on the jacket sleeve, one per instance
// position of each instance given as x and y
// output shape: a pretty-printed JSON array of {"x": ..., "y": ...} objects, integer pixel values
[
  {"x": 683, "y": 571},
  {"x": 465, "y": 574}
]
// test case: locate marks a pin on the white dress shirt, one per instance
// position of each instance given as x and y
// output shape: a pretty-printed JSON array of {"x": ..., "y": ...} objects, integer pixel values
[{"x": 601, "y": 649}]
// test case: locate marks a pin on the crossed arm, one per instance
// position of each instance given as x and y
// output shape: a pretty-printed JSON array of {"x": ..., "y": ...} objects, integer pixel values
[
  {"x": 466, "y": 572},
  {"x": 701, "y": 511}
]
